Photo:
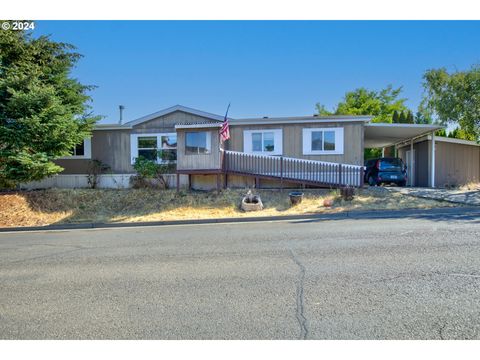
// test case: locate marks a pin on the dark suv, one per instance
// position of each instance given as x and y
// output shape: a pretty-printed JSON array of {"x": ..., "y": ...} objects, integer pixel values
[{"x": 385, "y": 170}]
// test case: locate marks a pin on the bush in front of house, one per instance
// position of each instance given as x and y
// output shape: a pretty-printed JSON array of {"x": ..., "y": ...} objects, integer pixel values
[{"x": 150, "y": 174}]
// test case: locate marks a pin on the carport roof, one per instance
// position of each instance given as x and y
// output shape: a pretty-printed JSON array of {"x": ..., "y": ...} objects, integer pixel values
[{"x": 378, "y": 135}]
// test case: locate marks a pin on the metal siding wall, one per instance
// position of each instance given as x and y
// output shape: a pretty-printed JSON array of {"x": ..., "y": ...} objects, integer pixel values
[
  {"x": 167, "y": 123},
  {"x": 456, "y": 164},
  {"x": 293, "y": 142},
  {"x": 198, "y": 162}
]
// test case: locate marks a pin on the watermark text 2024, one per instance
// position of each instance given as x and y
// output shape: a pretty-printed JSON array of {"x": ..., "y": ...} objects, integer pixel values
[{"x": 18, "y": 25}]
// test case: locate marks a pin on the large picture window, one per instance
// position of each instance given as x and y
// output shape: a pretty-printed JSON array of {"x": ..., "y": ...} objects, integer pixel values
[
  {"x": 268, "y": 142},
  {"x": 161, "y": 148},
  {"x": 197, "y": 142},
  {"x": 322, "y": 141}
]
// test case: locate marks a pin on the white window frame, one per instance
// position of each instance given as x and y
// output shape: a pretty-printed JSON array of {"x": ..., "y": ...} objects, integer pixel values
[
  {"x": 208, "y": 139},
  {"x": 307, "y": 141},
  {"x": 87, "y": 151},
  {"x": 134, "y": 144},
  {"x": 277, "y": 141}
]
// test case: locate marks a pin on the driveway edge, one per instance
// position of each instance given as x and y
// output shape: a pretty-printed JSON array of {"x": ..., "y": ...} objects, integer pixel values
[{"x": 356, "y": 214}]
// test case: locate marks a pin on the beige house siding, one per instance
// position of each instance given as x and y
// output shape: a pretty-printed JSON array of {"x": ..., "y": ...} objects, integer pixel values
[
  {"x": 210, "y": 161},
  {"x": 167, "y": 122},
  {"x": 293, "y": 142},
  {"x": 112, "y": 147},
  {"x": 455, "y": 164}
]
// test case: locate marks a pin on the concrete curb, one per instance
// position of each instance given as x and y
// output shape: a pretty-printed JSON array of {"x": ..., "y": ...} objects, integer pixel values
[{"x": 370, "y": 214}]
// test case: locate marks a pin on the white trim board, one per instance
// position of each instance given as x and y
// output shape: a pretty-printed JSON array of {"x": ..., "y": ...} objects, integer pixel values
[
  {"x": 277, "y": 141},
  {"x": 307, "y": 141},
  {"x": 134, "y": 143}
]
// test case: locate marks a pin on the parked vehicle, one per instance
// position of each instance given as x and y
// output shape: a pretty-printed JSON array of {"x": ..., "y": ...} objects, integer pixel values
[{"x": 385, "y": 171}]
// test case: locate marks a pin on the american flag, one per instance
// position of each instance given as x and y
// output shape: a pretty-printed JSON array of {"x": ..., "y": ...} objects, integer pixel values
[{"x": 224, "y": 131}]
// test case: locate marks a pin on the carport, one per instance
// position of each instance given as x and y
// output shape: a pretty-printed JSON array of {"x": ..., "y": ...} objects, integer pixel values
[{"x": 382, "y": 135}]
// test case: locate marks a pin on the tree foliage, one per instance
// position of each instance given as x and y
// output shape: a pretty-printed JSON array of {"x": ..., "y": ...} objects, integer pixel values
[
  {"x": 44, "y": 112},
  {"x": 380, "y": 104},
  {"x": 454, "y": 98}
]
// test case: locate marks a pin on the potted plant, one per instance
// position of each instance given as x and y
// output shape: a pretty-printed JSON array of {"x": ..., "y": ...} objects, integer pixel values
[
  {"x": 251, "y": 202},
  {"x": 296, "y": 197}
]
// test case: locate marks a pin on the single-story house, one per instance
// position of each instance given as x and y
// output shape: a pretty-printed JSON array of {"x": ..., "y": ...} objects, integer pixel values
[{"x": 312, "y": 150}]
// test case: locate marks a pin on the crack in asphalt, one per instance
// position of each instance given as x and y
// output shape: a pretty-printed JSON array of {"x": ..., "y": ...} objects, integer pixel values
[
  {"x": 440, "y": 331},
  {"x": 302, "y": 320}
]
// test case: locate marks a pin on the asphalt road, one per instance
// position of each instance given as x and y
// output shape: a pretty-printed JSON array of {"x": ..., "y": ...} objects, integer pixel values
[{"x": 413, "y": 278}]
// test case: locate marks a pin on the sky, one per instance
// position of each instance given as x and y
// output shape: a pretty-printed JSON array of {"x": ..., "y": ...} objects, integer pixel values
[{"x": 263, "y": 68}]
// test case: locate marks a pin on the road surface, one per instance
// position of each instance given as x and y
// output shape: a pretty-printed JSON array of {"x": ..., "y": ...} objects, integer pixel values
[{"x": 410, "y": 278}]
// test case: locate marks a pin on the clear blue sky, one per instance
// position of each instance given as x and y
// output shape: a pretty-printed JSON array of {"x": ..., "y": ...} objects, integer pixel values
[{"x": 266, "y": 68}]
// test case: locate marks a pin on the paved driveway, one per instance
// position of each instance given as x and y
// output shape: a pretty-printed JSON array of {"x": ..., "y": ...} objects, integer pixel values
[
  {"x": 410, "y": 278},
  {"x": 467, "y": 197}
]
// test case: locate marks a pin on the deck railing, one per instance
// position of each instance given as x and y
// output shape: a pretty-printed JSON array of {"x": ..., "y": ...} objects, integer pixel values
[{"x": 292, "y": 169}]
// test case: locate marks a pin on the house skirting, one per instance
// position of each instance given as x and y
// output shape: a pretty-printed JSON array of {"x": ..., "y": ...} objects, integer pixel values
[
  {"x": 106, "y": 181},
  {"x": 122, "y": 181}
]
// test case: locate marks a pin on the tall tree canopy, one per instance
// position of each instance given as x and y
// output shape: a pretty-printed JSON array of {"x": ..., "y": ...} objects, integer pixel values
[
  {"x": 44, "y": 112},
  {"x": 454, "y": 98},
  {"x": 380, "y": 104}
]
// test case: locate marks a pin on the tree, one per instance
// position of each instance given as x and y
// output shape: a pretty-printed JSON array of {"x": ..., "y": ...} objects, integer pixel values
[
  {"x": 395, "y": 117},
  {"x": 380, "y": 104},
  {"x": 410, "y": 119},
  {"x": 322, "y": 110},
  {"x": 402, "y": 119},
  {"x": 44, "y": 112},
  {"x": 459, "y": 133},
  {"x": 454, "y": 98},
  {"x": 423, "y": 114}
]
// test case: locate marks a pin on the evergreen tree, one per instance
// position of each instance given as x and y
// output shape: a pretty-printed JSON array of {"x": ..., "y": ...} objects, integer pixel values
[{"x": 43, "y": 110}]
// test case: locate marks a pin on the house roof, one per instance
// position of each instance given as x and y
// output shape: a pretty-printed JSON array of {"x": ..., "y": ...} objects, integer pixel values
[
  {"x": 171, "y": 110},
  {"x": 444, "y": 139},
  {"x": 300, "y": 119},
  {"x": 379, "y": 135},
  {"x": 233, "y": 122}
]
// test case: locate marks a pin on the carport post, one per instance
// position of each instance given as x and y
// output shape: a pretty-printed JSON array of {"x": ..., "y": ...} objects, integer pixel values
[
  {"x": 410, "y": 172},
  {"x": 432, "y": 159}
]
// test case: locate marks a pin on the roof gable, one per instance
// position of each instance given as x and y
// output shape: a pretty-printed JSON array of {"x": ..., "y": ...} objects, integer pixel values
[{"x": 172, "y": 110}]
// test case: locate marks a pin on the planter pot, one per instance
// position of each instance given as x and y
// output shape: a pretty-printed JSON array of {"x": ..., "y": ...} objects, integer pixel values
[
  {"x": 296, "y": 197},
  {"x": 347, "y": 193},
  {"x": 328, "y": 202},
  {"x": 252, "y": 203}
]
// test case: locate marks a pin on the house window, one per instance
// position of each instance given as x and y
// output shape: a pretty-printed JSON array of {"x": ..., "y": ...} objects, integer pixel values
[
  {"x": 168, "y": 151},
  {"x": 263, "y": 141},
  {"x": 81, "y": 151},
  {"x": 161, "y": 148},
  {"x": 147, "y": 147},
  {"x": 268, "y": 142},
  {"x": 322, "y": 141},
  {"x": 197, "y": 142}
]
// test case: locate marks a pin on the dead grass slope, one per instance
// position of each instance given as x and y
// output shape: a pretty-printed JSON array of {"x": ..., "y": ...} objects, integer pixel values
[{"x": 44, "y": 207}]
